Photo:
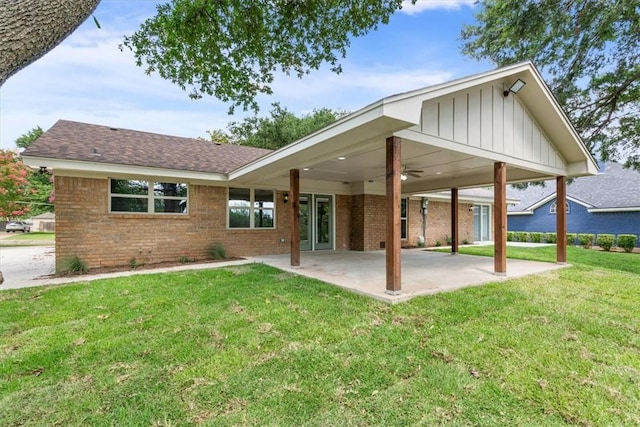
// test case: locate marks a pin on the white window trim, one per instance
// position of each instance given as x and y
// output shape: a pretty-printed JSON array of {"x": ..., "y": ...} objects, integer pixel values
[
  {"x": 252, "y": 209},
  {"x": 553, "y": 208},
  {"x": 150, "y": 196}
]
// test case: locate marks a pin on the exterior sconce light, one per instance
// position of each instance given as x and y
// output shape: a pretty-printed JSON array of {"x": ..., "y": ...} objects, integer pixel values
[
  {"x": 514, "y": 88},
  {"x": 286, "y": 196},
  {"x": 403, "y": 177},
  {"x": 43, "y": 170},
  {"x": 471, "y": 209}
]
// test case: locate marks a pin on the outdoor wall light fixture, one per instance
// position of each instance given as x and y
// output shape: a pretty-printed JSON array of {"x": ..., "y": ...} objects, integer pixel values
[
  {"x": 403, "y": 177},
  {"x": 43, "y": 170},
  {"x": 514, "y": 88},
  {"x": 285, "y": 197}
]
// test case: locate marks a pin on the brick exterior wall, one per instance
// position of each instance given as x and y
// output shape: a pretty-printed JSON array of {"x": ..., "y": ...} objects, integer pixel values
[
  {"x": 86, "y": 228},
  {"x": 368, "y": 226},
  {"x": 439, "y": 222},
  {"x": 343, "y": 222}
]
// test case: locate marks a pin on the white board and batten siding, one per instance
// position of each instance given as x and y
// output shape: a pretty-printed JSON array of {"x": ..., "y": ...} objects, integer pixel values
[{"x": 483, "y": 118}]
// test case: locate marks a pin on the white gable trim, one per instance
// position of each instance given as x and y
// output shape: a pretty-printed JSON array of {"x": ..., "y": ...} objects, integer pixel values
[{"x": 625, "y": 209}]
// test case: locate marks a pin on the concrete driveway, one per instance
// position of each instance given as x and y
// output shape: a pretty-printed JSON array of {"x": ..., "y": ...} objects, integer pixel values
[{"x": 20, "y": 265}]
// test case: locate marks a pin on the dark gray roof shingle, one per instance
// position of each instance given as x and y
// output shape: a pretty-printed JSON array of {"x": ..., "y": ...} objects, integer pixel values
[
  {"x": 68, "y": 140},
  {"x": 613, "y": 187}
]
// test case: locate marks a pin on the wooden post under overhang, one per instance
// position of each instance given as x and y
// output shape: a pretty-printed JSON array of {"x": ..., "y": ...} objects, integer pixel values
[
  {"x": 561, "y": 219},
  {"x": 294, "y": 202},
  {"x": 393, "y": 240},
  {"x": 454, "y": 221},
  {"x": 500, "y": 218}
]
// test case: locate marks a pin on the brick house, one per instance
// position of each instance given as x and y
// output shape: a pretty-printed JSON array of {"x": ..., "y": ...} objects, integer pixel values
[{"x": 358, "y": 184}]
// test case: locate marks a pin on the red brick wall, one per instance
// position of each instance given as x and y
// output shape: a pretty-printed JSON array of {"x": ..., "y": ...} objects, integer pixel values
[
  {"x": 85, "y": 228},
  {"x": 439, "y": 222},
  {"x": 343, "y": 222}
]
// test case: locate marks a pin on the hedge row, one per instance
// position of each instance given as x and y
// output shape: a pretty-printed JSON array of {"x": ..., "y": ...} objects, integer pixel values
[{"x": 605, "y": 241}]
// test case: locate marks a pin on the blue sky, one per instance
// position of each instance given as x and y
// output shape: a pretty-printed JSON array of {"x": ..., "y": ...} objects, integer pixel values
[{"x": 87, "y": 78}]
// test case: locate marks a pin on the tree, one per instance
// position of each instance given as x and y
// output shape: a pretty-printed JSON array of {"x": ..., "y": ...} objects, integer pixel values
[
  {"x": 31, "y": 28},
  {"x": 282, "y": 127},
  {"x": 26, "y": 139},
  {"x": 13, "y": 186},
  {"x": 231, "y": 49},
  {"x": 589, "y": 52}
]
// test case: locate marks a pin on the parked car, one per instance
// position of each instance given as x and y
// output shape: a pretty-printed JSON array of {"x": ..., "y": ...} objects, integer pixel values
[{"x": 18, "y": 226}]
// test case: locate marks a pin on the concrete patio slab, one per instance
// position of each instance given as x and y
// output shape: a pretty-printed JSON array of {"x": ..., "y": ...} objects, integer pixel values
[{"x": 423, "y": 272}]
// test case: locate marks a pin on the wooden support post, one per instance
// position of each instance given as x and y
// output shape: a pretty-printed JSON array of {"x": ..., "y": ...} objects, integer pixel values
[
  {"x": 393, "y": 241},
  {"x": 561, "y": 219},
  {"x": 294, "y": 202},
  {"x": 454, "y": 221},
  {"x": 500, "y": 217}
]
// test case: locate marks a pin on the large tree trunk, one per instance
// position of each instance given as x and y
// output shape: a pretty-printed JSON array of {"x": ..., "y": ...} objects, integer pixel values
[{"x": 31, "y": 28}]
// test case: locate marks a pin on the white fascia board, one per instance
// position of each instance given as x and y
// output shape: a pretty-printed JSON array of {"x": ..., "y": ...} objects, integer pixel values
[
  {"x": 464, "y": 199},
  {"x": 457, "y": 147},
  {"x": 343, "y": 125},
  {"x": 553, "y": 196},
  {"x": 520, "y": 213},
  {"x": 83, "y": 168},
  {"x": 604, "y": 210},
  {"x": 582, "y": 168}
]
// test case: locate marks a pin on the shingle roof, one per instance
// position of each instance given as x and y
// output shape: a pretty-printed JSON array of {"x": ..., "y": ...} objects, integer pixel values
[
  {"x": 614, "y": 187},
  {"x": 68, "y": 140}
]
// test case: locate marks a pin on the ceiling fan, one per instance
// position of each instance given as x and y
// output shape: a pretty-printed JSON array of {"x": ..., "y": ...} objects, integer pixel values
[{"x": 410, "y": 172}]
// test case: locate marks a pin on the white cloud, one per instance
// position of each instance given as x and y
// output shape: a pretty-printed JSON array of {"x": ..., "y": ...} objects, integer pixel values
[{"x": 422, "y": 5}]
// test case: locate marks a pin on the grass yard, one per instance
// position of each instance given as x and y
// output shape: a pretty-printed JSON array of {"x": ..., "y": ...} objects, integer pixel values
[
  {"x": 252, "y": 345},
  {"x": 33, "y": 238}
]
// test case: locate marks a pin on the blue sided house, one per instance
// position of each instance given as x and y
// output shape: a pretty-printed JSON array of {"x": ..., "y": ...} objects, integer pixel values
[{"x": 606, "y": 203}]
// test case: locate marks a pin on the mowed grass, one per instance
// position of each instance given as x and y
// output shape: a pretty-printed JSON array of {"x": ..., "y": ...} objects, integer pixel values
[
  {"x": 32, "y": 238},
  {"x": 252, "y": 345}
]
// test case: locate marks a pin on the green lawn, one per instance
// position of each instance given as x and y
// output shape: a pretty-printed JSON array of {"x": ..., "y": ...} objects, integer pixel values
[
  {"x": 252, "y": 345},
  {"x": 33, "y": 238}
]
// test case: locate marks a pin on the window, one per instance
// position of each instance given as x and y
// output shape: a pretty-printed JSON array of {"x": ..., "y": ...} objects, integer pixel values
[
  {"x": 137, "y": 196},
  {"x": 251, "y": 208},
  {"x": 553, "y": 208},
  {"x": 403, "y": 218}
]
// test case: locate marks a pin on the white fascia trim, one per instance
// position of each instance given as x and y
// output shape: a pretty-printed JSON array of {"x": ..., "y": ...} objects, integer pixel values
[
  {"x": 627, "y": 209},
  {"x": 78, "y": 168},
  {"x": 465, "y": 199},
  {"x": 520, "y": 213},
  {"x": 553, "y": 196},
  {"x": 340, "y": 126}
]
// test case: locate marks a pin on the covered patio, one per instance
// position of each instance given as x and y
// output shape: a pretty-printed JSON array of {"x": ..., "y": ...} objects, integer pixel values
[
  {"x": 490, "y": 129},
  {"x": 424, "y": 272}
]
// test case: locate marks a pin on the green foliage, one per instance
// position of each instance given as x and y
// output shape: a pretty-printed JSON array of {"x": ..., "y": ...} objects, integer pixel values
[
  {"x": 40, "y": 193},
  {"x": 465, "y": 241},
  {"x": 233, "y": 49},
  {"x": 26, "y": 139},
  {"x": 587, "y": 50},
  {"x": 280, "y": 128},
  {"x": 571, "y": 238},
  {"x": 14, "y": 186},
  {"x": 627, "y": 242},
  {"x": 510, "y": 236},
  {"x": 448, "y": 239},
  {"x": 586, "y": 240},
  {"x": 217, "y": 251},
  {"x": 550, "y": 237},
  {"x": 438, "y": 243},
  {"x": 74, "y": 264},
  {"x": 135, "y": 263},
  {"x": 536, "y": 237},
  {"x": 522, "y": 236},
  {"x": 605, "y": 241}
]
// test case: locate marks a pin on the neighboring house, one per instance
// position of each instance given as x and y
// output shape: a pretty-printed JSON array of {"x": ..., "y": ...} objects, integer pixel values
[
  {"x": 606, "y": 203},
  {"x": 124, "y": 196},
  {"x": 43, "y": 222}
]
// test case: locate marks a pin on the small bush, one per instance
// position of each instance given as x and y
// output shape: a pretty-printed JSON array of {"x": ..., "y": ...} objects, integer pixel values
[
  {"x": 217, "y": 251},
  {"x": 510, "y": 236},
  {"x": 550, "y": 238},
  {"x": 536, "y": 237},
  {"x": 627, "y": 241},
  {"x": 448, "y": 239},
  {"x": 586, "y": 240},
  {"x": 605, "y": 241},
  {"x": 571, "y": 238},
  {"x": 438, "y": 243},
  {"x": 522, "y": 236},
  {"x": 465, "y": 241},
  {"x": 74, "y": 264},
  {"x": 133, "y": 263}
]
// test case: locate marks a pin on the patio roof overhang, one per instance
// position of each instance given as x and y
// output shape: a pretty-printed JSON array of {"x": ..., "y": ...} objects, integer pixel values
[{"x": 352, "y": 150}]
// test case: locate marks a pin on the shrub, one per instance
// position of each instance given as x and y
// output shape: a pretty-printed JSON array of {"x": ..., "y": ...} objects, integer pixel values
[
  {"x": 586, "y": 240},
  {"x": 510, "y": 235},
  {"x": 217, "y": 251},
  {"x": 627, "y": 241},
  {"x": 522, "y": 236},
  {"x": 448, "y": 240},
  {"x": 605, "y": 241},
  {"x": 465, "y": 241},
  {"x": 74, "y": 264},
  {"x": 550, "y": 238},
  {"x": 536, "y": 237},
  {"x": 571, "y": 238},
  {"x": 438, "y": 243}
]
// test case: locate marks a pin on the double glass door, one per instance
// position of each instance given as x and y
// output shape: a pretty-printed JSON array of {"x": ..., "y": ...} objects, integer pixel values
[
  {"x": 316, "y": 222},
  {"x": 481, "y": 223}
]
